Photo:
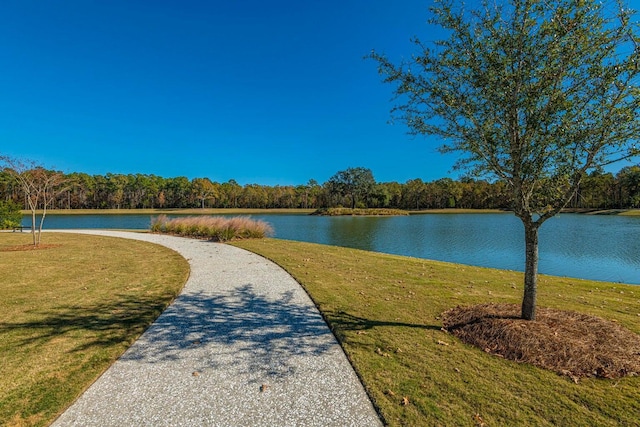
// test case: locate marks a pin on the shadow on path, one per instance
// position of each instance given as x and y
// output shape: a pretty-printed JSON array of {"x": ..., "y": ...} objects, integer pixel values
[{"x": 240, "y": 329}]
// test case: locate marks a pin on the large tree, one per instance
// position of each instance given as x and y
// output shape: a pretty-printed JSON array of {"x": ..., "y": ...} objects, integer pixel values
[
  {"x": 203, "y": 189},
  {"x": 629, "y": 181},
  {"x": 537, "y": 93},
  {"x": 355, "y": 183}
]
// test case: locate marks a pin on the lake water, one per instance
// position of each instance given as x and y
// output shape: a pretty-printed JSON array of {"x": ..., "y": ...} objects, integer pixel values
[{"x": 585, "y": 246}]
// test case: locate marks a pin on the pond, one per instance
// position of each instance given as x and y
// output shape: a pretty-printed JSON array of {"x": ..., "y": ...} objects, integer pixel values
[{"x": 584, "y": 246}]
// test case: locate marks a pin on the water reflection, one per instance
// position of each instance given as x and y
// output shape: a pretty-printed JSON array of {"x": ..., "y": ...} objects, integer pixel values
[{"x": 358, "y": 232}]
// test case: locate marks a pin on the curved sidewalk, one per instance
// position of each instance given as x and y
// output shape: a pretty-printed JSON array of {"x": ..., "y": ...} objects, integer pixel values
[{"x": 242, "y": 345}]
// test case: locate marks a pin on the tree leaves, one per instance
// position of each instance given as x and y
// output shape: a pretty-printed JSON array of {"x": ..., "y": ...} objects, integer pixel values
[{"x": 529, "y": 91}]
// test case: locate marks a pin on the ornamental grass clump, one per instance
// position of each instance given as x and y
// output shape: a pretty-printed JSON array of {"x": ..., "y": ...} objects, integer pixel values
[{"x": 216, "y": 228}]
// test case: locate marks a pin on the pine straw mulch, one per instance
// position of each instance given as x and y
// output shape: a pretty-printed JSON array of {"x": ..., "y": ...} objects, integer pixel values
[{"x": 573, "y": 344}]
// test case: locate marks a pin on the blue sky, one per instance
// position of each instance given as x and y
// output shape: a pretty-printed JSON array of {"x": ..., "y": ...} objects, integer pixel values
[{"x": 273, "y": 93}]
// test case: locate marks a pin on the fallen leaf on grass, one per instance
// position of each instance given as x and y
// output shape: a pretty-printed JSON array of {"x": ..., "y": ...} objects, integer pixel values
[
  {"x": 479, "y": 421},
  {"x": 381, "y": 353}
]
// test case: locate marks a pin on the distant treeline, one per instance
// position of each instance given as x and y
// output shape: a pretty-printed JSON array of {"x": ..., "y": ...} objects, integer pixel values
[{"x": 117, "y": 191}]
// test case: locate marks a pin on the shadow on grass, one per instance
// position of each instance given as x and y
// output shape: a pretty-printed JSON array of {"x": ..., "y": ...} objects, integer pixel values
[
  {"x": 240, "y": 328},
  {"x": 348, "y": 322},
  {"x": 100, "y": 325}
]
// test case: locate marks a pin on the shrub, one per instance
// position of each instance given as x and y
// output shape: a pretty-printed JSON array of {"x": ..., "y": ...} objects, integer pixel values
[
  {"x": 10, "y": 215},
  {"x": 216, "y": 228}
]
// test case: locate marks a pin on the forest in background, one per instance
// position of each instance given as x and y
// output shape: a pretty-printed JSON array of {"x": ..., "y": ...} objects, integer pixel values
[{"x": 134, "y": 191}]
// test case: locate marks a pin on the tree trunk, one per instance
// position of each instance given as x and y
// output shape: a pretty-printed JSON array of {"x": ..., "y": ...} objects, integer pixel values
[
  {"x": 33, "y": 226},
  {"x": 531, "y": 270},
  {"x": 44, "y": 213}
]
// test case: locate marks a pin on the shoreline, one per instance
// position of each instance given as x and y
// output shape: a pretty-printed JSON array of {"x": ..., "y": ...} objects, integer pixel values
[
  {"x": 295, "y": 211},
  {"x": 176, "y": 211}
]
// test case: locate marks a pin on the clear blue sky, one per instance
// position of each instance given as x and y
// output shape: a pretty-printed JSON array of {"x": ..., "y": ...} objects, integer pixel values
[{"x": 269, "y": 92}]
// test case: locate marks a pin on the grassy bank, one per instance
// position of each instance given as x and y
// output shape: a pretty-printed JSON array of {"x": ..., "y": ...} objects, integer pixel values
[
  {"x": 359, "y": 212},
  {"x": 386, "y": 311},
  {"x": 68, "y": 310}
]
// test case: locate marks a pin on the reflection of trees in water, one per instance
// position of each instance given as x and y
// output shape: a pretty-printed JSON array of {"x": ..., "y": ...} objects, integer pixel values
[{"x": 354, "y": 232}]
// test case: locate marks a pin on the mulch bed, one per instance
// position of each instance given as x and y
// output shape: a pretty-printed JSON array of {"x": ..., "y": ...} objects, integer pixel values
[{"x": 573, "y": 344}]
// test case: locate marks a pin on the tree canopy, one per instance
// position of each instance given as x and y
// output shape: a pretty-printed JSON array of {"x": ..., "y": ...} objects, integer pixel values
[
  {"x": 355, "y": 183},
  {"x": 538, "y": 93},
  {"x": 600, "y": 190}
]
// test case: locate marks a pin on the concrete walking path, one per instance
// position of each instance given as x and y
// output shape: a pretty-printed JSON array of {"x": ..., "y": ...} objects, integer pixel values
[{"x": 242, "y": 345}]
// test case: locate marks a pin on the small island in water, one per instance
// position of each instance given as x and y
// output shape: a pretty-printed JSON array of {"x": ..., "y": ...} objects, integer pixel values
[{"x": 359, "y": 212}]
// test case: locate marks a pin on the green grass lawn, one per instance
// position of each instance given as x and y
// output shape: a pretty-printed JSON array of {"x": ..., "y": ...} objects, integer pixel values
[
  {"x": 69, "y": 310},
  {"x": 385, "y": 310}
]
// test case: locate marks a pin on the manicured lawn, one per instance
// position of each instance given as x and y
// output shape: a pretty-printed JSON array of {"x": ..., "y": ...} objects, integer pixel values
[
  {"x": 69, "y": 310},
  {"x": 386, "y": 309}
]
